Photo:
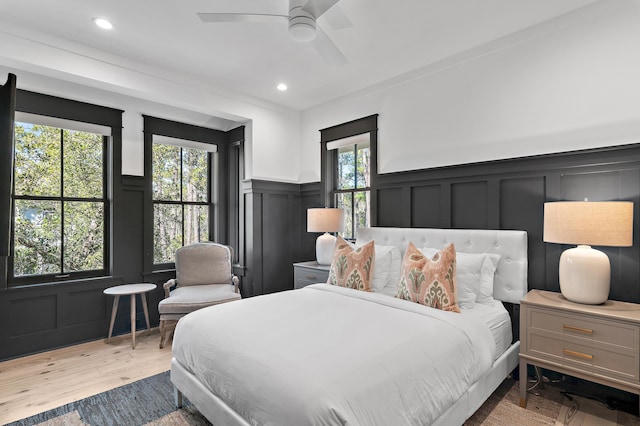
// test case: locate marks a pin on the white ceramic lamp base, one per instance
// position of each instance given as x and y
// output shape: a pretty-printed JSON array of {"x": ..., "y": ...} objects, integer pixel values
[
  {"x": 324, "y": 248},
  {"x": 585, "y": 275}
]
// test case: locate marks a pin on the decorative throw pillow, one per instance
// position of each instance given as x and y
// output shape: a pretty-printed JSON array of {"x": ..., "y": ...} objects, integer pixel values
[
  {"x": 382, "y": 264},
  {"x": 352, "y": 267},
  {"x": 430, "y": 282},
  {"x": 474, "y": 272}
]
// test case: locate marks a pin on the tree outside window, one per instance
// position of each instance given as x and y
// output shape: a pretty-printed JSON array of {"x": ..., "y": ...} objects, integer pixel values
[
  {"x": 352, "y": 192},
  {"x": 59, "y": 203},
  {"x": 180, "y": 199}
]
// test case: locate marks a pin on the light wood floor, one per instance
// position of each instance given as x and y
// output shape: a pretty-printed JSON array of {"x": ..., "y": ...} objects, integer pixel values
[{"x": 40, "y": 382}]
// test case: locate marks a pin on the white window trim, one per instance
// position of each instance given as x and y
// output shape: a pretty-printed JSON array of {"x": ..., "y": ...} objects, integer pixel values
[
  {"x": 61, "y": 123},
  {"x": 362, "y": 140},
  {"x": 184, "y": 143}
]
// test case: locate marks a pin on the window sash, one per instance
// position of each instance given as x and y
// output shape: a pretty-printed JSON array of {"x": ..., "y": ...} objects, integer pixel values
[
  {"x": 182, "y": 203},
  {"x": 61, "y": 274},
  {"x": 353, "y": 219}
]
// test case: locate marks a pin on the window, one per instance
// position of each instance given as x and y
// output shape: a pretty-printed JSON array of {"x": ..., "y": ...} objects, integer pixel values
[
  {"x": 349, "y": 170},
  {"x": 353, "y": 184},
  {"x": 181, "y": 198},
  {"x": 60, "y": 205}
]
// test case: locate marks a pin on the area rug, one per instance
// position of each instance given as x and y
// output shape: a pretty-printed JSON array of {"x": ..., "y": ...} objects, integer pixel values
[
  {"x": 145, "y": 402},
  {"x": 150, "y": 402}
]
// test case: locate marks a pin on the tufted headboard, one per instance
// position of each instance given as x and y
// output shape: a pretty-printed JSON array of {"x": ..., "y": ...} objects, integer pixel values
[{"x": 510, "y": 282}]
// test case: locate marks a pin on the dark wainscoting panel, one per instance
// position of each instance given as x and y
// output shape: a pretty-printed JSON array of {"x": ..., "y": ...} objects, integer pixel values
[
  {"x": 426, "y": 206},
  {"x": 275, "y": 230},
  {"x": 469, "y": 205},
  {"x": 510, "y": 194},
  {"x": 25, "y": 323},
  {"x": 309, "y": 198},
  {"x": 43, "y": 317},
  {"x": 388, "y": 201}
]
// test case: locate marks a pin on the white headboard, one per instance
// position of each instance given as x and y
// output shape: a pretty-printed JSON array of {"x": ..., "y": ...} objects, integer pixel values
[{"x": 510, "y": 283}]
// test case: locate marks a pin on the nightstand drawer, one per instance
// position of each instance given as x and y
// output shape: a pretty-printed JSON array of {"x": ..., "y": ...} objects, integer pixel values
[
  {"x": 584, "y": 327},
  {"x": 306, "y": 273},
  {"x": 594, "y": 358},
  {"x": 310, "y": 275}
]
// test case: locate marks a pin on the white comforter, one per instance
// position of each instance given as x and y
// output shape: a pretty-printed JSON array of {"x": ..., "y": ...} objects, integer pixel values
[{"x": 325, "y": 355}]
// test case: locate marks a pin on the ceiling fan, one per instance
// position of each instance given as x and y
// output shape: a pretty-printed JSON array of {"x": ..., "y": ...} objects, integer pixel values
[{"x": 302, "y": 25}]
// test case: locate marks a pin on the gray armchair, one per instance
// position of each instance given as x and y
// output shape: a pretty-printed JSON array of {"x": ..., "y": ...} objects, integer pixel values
[{"x": 204, "y": 277}]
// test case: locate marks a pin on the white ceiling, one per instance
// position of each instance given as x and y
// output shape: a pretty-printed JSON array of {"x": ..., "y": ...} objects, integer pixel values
[{"x": 380, "y": 38}]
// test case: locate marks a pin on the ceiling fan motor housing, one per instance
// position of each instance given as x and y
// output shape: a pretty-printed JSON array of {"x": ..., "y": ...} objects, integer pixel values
[{"x": 302, "y": 25}]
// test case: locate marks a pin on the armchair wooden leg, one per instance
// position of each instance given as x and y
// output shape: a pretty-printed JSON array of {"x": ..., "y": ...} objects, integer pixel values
[{"x": 162, "y": 333}]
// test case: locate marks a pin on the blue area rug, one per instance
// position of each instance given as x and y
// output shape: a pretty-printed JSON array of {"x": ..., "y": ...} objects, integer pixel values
[{"x": 145, "y": 402}]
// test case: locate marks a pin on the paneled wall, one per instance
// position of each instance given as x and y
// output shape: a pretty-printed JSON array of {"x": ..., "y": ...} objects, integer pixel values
[
  {"x": 275, "y": 234},
  {"x": 510, "y": 194}
]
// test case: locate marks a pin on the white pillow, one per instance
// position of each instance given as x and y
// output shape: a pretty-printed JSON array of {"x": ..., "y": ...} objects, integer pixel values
[
  {"x": 474, "y": 276},
  {"x": 485, "y": 295},
  {"x": 395, "y": 267}
]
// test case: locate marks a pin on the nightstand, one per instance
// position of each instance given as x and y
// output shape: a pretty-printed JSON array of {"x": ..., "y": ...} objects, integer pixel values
[
  {"x": 305, "y": 273},
  {"x": 599, "y": 343}
]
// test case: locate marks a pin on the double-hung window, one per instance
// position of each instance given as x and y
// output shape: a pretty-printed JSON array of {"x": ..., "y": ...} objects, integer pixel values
[
  {"x": 353, "y": 182},
  {"x": 349, "y": 170},
  {"x": 181, "y": 195},
  {"x": 60, "y": 202}
]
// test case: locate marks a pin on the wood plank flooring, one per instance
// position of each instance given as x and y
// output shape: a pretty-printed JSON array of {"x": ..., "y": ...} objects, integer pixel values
[{"x": 40, "y": 382}]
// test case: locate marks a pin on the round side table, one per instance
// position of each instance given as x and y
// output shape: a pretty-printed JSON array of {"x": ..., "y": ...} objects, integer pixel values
[{"x": 131, "y": 290}]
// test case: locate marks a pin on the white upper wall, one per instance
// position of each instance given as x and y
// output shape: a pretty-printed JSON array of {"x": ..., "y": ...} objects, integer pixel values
[
  {"x": 271, "y": 138},
  {"x": 568, "y": 84}
]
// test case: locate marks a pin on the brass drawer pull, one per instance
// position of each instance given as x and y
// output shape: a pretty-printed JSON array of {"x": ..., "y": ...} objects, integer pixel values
[
  {"x": 578, "y": 329},
  {"x": 311, "y": 277},
  {"x": 577, "y": 354}
]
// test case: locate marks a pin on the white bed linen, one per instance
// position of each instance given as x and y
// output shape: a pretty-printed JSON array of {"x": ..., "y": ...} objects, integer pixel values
[
  {"x": 497, "y": 318},
  {"x": 267, "y": 359}
]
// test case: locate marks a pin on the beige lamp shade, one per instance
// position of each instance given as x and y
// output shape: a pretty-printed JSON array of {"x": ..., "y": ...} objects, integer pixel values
[
  {"x": 325, "y": 220},
  {"x": 594, "y": 223}
]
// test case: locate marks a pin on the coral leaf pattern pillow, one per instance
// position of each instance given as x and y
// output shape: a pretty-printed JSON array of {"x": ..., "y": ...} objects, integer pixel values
[
  {"x": 474, "y": 276},
  {"x": 352, "y": 267},
  {"x": 430, "y": 282}
]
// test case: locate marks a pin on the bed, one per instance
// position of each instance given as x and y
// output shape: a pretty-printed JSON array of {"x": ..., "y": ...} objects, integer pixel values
[{"x": 331, "y": 355}]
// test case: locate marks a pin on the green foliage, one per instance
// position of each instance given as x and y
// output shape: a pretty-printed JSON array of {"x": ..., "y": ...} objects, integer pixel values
[
  {"x": 180, "y": 175},
  {"x": 41, "y": 170},
  {"x": 353, "y": 173},
  {"x": 37, "y": 160}
]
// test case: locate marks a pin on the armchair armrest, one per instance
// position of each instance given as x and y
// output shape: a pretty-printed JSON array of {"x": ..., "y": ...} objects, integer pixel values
[
  {"x": 167, "y": 286},
  {"x": 236, "y": 282}
]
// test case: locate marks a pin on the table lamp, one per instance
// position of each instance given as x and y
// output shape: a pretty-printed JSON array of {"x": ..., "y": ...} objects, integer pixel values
[
  {"x": 325, "y": 220},
  {"x": 585, "y": 273}
]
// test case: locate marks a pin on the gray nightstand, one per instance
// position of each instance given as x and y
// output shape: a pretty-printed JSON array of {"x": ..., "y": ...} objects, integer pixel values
[
  {"x": 305, "y": 273},
  {"x": 600, "y": 343}
]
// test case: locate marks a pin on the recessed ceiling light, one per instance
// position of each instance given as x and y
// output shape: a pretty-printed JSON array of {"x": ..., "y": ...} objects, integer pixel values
[
  {"x": 103, "y": 23},
  {"x": 282, "y": 87}
]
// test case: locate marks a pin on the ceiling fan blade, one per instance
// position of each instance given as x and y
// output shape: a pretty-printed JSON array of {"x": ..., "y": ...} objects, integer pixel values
[
  {"x": 241, "y": 17},
  {"x": 337, "y": 19},
  {"x": 327, "y": 49},
  {"x": 318, "y": 7}
]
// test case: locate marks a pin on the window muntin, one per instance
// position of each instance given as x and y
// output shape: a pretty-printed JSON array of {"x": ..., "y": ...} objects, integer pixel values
[
  {"x": 59, "y": 200},
  {"x": 352, "y": 192},
  {"x": 181, "y": 208}
]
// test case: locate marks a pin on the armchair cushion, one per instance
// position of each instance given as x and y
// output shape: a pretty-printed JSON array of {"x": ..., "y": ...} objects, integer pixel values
[
  {"x": 203, "y": 263},
  {"x": 184, "y": 300}
]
